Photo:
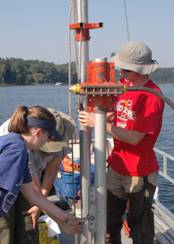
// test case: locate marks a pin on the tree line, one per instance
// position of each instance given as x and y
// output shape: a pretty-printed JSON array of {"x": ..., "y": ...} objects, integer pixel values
[{"x": 32, "y": 72}]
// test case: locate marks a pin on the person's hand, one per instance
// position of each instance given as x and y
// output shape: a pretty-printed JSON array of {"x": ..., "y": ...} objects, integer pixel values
[
  {"x": 35, "y": 213},
  {"x": 87, "y": 119},
  {"x": 110, "y": 117},
  {"x": 71, "y": 224},
  {"x": 109, "y": 127}
]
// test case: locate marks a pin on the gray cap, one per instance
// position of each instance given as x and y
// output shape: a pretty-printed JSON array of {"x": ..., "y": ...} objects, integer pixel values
[
  {"x": 65, "y": 128},
  {"x": 135, "y": 56}
]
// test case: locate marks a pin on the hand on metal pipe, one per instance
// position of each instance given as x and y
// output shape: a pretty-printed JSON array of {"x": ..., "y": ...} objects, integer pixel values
[
  {"x": 86, "y": 119},
  {"x": 71, "y": 224}
]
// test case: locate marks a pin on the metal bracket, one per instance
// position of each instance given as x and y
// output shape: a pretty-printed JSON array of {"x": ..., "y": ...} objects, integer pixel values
[{"x": 92, "y": 209}]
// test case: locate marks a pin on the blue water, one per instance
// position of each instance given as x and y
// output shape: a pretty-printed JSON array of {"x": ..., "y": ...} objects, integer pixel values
[
  {"x": 166, "y": 143},
  {"x": 57, "y": 97},
  {"x": 49, "y": 96}
]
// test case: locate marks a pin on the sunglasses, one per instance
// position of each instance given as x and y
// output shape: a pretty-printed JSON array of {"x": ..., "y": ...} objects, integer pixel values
[{"x": 126, "y": 70}]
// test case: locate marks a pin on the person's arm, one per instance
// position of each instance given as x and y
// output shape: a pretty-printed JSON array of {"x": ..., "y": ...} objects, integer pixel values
[
  {"x": 34, "y": 211},
  {"x": 36, "y": 183},
  {"x": 124, "y": 135},
  {"x": 50, "y": 174},
  {"x": 128, "y": 136},
  {"x": 68, "y": 222},
  {"x": 48, "y": 180}
]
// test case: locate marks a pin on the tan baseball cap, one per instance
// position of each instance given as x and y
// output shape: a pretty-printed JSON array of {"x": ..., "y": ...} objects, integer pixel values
[{"x": 65, "y": 127}]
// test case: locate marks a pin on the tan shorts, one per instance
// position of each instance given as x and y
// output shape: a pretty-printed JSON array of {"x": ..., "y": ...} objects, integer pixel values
[{"x": 120, "y": 185}]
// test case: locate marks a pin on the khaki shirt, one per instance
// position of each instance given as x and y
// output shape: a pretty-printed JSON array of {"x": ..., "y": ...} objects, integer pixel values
[{"x": 38, "y": 160}]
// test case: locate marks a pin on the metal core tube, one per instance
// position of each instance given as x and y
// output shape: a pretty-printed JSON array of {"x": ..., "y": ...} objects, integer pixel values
[{"x": 100, "y": 177}]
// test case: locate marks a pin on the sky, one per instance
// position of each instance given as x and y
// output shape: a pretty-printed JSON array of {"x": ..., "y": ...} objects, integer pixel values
[{"x": 38, "y": 29}]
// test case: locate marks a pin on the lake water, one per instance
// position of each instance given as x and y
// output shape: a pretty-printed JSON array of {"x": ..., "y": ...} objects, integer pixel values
[{"x": 57, "y": 97}]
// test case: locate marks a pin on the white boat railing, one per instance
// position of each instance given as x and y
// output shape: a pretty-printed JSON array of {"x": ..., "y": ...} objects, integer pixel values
[
  {"x": 165, "y": 158},
  {"x": 164, "y": 218}
]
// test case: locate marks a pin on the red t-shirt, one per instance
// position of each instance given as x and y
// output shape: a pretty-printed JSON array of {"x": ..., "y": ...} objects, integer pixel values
[{"x": 140, "y": 111}]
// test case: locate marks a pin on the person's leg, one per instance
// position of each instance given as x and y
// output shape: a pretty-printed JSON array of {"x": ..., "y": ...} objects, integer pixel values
[
  {"x": 6, "y": 228},
  {"x": 116, "y": 205},
  {"x": 24, "y": 232},
  {"x": 115, "y": 209},
  {"x": 140, "y": 217}
]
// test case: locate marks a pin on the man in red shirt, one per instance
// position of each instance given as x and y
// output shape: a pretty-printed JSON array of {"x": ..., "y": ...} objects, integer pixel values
[{"x": 133, "y": 167}]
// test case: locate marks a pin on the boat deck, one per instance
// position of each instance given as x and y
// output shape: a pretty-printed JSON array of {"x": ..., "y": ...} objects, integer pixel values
[
  {"x": 164, "y": 224},
  {"x": 164, "y": 228},
  {"x": 68, "y": 239}
]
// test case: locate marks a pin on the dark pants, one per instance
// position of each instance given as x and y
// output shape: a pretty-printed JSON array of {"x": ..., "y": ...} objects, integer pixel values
[
  {"x": 16, "y": 228},
  {"x": 140, "y": 217}
]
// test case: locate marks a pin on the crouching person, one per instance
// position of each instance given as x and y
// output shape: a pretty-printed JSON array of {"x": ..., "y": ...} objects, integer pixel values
[{"x": 30, "y": 128}]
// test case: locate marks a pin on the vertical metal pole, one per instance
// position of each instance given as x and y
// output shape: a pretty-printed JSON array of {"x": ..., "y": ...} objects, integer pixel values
[
  {"x": 100, "y": 176},
  {"x": 83, "y": 46},
  {"x": 85, "y": 181},
  {"x": 83, "y": 57}
]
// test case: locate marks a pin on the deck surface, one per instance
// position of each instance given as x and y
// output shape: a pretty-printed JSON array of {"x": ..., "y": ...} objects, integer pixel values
[
  {"x": 68, "y": 239},
  {"x": 164, "y": 227}
]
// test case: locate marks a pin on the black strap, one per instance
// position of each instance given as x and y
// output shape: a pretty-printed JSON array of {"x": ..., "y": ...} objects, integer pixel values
[
  {"x": 146, "y": 183},
  {"x": 146, "y": 193}
]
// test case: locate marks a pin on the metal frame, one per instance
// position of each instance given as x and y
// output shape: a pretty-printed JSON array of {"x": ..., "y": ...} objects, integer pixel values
[{"x": 165, "y": 156}]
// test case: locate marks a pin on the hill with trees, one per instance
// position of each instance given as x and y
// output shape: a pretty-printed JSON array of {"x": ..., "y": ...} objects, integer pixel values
[
  {"x": 32, "y": 72},
  {"x": 163, "y": 75}
]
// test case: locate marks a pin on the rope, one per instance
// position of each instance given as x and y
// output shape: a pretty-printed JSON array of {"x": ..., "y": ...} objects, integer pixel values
[
  {"x": 69, "y": 62},
  {"x": 73, "y": 18},
  {"x": 126, "y": 19}
]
